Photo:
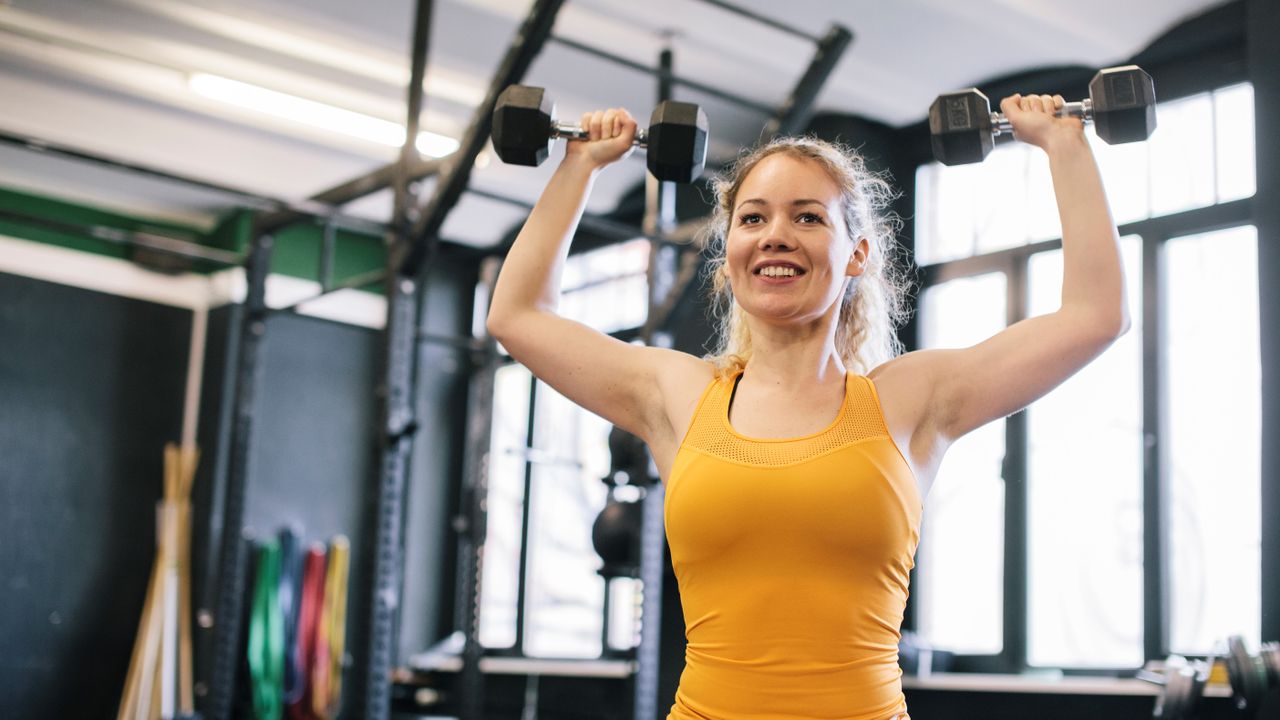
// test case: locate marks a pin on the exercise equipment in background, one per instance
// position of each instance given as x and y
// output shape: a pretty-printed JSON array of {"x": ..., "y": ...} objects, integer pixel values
[
  {"x": 1251, "y": 678},
  {"x": 161, "y": 659},
  {"x": 296, "y": 645}
]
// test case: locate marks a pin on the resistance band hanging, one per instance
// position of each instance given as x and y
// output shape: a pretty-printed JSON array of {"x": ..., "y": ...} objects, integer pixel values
[
  {"x": 266, "y": 636},
  {"x": 308, "y": 618},
  {"x": 290, "y": 604},
  {"x": 326, "y": 678}
]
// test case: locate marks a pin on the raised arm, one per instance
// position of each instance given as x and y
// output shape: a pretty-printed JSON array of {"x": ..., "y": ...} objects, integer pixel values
[
  {"x": 611, "y": 378},
  {"x": 1022, "y": 363}
]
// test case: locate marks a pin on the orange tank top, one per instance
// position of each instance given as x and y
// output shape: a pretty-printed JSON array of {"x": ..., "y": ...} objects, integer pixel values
[{"x": 792, "y": 557}]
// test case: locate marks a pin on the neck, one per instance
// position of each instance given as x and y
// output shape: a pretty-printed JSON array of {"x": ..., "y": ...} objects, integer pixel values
[{"x": 790, "y": 356}]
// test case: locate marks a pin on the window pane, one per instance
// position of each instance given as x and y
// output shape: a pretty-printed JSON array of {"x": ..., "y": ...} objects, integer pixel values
[
  {"x": 944, "y": 219},
  {"x": 1233, "y": 123},
  {"x": 564, "y": 603},
  {"x": 961, "y": 554},
  {"x": 1005, "y": 213},
  {"x": 607, "y": 288},
  {"x": 1126, "y": 173},
  {"x": 505, "y": 501},
  {"x": 1181, "y": 151},
  {"x": 624, "y": 612},
  {"x": 967, "y": 210},
  {"x": 625, "y": 258},
  {"x": 608, "y": 306},
  {"x": 1041, "y": 211},
  {"x": 1085, "y": 471},
  {"x": 1213, "y": 448}
]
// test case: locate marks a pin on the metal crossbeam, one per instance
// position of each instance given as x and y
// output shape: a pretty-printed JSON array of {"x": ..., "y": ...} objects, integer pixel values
[
  {"x": 529, "y": 40},
  {"x": 797, "y": 109}
]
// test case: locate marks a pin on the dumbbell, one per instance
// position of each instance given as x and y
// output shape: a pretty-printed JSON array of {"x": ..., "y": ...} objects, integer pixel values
[
  {"x": 1252, "y": 676},
  {"x": 524, "y": 127},
  {"x": 1121, "y": 105},
  {"x": 1183, "y": 682}
]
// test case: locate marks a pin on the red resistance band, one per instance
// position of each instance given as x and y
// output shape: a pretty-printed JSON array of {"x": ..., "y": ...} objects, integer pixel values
[{"x": 308, "y": 619}]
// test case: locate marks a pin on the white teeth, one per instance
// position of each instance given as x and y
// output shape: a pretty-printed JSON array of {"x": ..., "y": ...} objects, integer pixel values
[{"x": 778, "y": 271}]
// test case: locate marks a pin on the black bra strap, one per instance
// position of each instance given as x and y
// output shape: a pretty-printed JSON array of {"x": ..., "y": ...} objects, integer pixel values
[{"x": 733, "y": 393}]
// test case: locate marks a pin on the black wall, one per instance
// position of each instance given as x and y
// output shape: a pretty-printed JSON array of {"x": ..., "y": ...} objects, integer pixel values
[{"x": 91, "y": 388}]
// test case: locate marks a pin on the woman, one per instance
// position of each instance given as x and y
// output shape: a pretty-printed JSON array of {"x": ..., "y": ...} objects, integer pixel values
[{"x": 797, "y": 459}]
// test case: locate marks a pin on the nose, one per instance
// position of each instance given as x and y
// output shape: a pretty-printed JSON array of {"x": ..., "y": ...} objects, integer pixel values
[{"x": 775, "y": 238}]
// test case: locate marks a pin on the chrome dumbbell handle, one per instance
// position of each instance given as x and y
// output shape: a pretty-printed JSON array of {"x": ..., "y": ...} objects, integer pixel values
[
  {"x": 577, "y": 132},
  {"x": 1084, "y": 110}
]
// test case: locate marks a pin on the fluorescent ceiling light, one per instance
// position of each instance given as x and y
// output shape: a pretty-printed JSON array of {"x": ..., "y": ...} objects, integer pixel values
[{"x": 316, "y": 114}]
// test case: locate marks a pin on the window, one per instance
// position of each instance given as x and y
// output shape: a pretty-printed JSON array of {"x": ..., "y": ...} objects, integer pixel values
[
  {"x": 500, "y": 572},
  {"x": 540, "y": 594},
  {"x": 963, "y": 526},
  {"x": 1100, "y": 461},
  {"x": 1214, "y": 448},
  {"x": 564, "y": 597},
  {"x": 607, "y": 288},
  {"x": 1084, "y": 495}
]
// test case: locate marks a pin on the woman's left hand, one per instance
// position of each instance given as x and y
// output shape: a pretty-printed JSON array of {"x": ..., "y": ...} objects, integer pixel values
[{"x": 1034, "y": 122}]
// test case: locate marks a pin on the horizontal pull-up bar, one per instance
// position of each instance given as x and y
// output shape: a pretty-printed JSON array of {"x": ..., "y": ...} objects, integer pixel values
[
  {"x": 766, "y": 21},
  {"x": 738, "y": 100}
]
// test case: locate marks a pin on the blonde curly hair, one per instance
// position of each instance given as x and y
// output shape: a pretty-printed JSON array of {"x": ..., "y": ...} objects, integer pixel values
[{"x": 873, "y": 307}]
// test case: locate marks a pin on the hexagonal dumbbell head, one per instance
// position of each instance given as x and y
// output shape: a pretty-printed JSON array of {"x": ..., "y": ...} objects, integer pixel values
[
  {"x": 1124, "y": 104},
  {"x": 522, "y": 125},
  {"x": 677, "y": 141},
  {"x": 960, "y": 127}
]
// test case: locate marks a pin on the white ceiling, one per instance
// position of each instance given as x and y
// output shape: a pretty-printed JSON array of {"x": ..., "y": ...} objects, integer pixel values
[{"x": 111, "y": 77}]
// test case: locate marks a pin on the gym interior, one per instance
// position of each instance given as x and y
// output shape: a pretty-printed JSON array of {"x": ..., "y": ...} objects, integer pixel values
[{"x": 260, "y": 458}]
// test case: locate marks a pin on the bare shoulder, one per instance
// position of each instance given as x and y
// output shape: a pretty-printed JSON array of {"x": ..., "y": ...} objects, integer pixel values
[
  {"x": 681, "y": 380},
  {"x": 907, "y": 388},
  {"x": 905, "y": 384}
]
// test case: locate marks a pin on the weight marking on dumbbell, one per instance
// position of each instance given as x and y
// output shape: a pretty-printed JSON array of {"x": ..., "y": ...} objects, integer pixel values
[
  {"x": 957, "y": 111},
  {"x": 1122, "y": 86}
]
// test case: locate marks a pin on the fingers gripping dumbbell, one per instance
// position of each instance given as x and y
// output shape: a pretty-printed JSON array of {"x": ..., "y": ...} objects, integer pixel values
[
  {"x": 524, "y": 128},
  {"x": 1121, "y": 106}
]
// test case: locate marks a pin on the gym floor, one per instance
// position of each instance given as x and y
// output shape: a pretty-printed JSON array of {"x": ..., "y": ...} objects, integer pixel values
[{"x": 258, "y": 454}]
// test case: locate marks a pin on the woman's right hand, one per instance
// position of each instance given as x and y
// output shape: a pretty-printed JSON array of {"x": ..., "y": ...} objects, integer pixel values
[{"x": 612, "y": 134}]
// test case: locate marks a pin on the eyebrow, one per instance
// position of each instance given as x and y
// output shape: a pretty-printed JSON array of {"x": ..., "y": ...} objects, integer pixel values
[{"x": 794, "y": 203}]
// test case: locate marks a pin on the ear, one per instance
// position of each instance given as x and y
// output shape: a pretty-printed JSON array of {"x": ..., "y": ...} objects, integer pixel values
[{"x": 858, "y": 260}]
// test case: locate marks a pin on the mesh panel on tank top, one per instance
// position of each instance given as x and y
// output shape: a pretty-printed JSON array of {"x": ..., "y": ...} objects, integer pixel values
[{"x": 860, "y": 419}]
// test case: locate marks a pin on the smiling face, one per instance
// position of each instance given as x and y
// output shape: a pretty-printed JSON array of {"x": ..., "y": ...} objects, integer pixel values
[{"x": 788, "y": 250}]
